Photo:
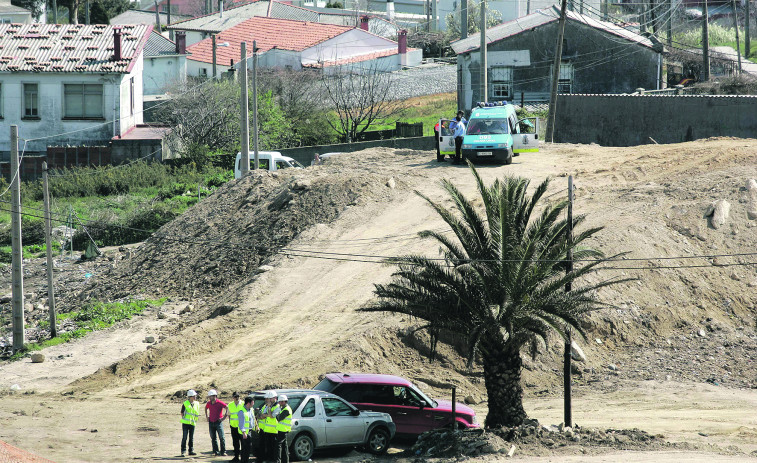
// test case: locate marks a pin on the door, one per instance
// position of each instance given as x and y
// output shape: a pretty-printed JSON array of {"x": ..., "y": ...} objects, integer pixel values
[
  {"x": 526, "y": 136},
  {"x": 446, "y": 140},
  {"x": 344, "y": 425}
]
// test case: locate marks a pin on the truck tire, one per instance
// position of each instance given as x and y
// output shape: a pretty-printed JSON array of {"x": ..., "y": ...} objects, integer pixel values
[
  {"x": 509, "y": 159},
  {"x": 378, "y": 441},
  {"x": 303, "y": 447}
]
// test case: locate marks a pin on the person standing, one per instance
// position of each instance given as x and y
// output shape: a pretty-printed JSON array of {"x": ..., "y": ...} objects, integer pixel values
[
  {"x": 190, "y": 411},
  {"x": 269, "y": 426},
  {"x": 284, "y": 425},
  {"x": 246, "y": 428},
  {"x": 437, "y": 129},
  {"x": 458, "y": 131},
  {"x": 234, "y": 408},
  {"x": 216, "y": 411}
]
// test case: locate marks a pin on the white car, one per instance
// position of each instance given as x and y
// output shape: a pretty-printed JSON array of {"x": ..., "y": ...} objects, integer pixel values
[{"x": 267, "y": 160}]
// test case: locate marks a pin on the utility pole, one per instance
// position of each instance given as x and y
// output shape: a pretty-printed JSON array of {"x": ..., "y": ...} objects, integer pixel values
[
  {"x": 670, "y": 23},
  {"x": 214, "y": 47},
  {"x": 168, "y": 19},
  {"x": 428, "y": 15},
  {"x": 17, "y": 272},
  {"x": 55, "y": 11},
  {"x": 463, "y": 19},
  {"x": 736, "y": 26},
  {"x": 49, "y": 246},
  {"x": 747, "y": 38},
  {"x": 86, "y": 12},
  {"x": 556, "y": 75},
  {"x": 435, "y": 13},
  {"x": 255, "y": 101},
  {"x": 245, "y": 158},
  {"x": 484, "y": 87},
  {"x": 705, "y": 43},
  {"x": 568, "y": 406}
]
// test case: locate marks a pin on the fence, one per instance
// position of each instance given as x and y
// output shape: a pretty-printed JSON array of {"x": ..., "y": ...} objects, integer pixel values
[
  {"x": 59, "y": 157},
  {"x": 400, "y": 130}
]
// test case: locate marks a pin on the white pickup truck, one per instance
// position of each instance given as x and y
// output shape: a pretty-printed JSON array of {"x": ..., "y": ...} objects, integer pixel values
[{"x": 267, "y": 160}]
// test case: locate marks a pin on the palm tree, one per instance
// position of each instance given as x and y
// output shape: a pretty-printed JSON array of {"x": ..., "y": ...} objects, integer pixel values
[{"x": 500, "y": 282}]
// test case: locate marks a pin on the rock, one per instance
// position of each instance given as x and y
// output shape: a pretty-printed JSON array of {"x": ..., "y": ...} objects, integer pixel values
[
  {"x": 511, "y": 452},
  {"x": 598, "y": 341},
  {"x": 301, "y": 184},
  {"x": 391, "y": 183},
  {"x": 15, "y": 388},
  {"x": 161, "y": 315},
  {"x": 39, "y": 306},
  {"x": 30, "y": 296},
  {"x": 470, "y": 400},
  {"x": 265, "y": 268},
  {"x": 186, "y": 309},
  {"x": 6, "y": 299},
  {"x": 149, "y": 339},
  {"x": 753, "y": 284},
  {"x": 576, "y": 353},
  {"x": 612, "y": 367},
  {"x": 718, "y": 213},
  {"x": 38, "y": 358},
  {"x": 568, "y": 432},
  {"x": 701, "y": 333},
  {"x": 751, "y": 188},
  {"x": 28, "y": 307}
]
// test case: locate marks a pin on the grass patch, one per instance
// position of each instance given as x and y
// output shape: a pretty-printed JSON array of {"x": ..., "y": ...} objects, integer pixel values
[
  {"x": 427, "y": 109},
  {"x": 93, "y": 316}
]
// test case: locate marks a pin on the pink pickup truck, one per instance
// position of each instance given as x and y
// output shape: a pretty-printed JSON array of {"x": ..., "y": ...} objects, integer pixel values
[{"x": 412, "y": 411}]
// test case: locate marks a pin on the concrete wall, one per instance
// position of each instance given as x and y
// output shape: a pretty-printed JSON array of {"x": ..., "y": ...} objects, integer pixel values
[
  {"x": 620, "y": 120},
  {"x": 602, "y": 63},
  {"x": 305, "y": 154},
  {"x": 163, "y": 71}
]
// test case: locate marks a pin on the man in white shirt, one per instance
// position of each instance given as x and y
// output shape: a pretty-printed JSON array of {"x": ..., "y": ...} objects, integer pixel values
[{"x": 458, "y": 131}]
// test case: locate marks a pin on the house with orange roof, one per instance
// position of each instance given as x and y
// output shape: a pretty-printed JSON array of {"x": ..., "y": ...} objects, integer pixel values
[
  {"x": 65, "y": 84},
  {"x": 291, "y": 44}
]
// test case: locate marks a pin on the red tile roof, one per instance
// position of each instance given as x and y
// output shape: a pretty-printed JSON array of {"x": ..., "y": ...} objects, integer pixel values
[
  {"x": 284, "y": 34},
  {"x": 69, "y": 47}
]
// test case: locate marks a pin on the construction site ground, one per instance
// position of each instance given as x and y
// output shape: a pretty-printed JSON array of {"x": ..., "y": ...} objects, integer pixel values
[{"x": 264, "y": 276}]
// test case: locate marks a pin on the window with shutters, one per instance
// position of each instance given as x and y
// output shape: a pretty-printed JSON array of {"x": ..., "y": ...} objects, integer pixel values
[
  {"x": 501, "y": 79},
  {"x": 565, "y": 81},
  {"x": 83, "y": 101}
]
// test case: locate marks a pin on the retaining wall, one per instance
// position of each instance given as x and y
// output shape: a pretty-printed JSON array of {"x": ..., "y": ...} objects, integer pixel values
[
  {"x": 304, "y": 154},
  {"x": 629, "y": 120}
]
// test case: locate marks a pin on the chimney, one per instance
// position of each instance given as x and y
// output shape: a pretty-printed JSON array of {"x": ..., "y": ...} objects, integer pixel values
[
  {"x": 402, "y": 46},
  {"x": 220, "y": 7},
  {"x": 117, "y": 43},
  {"x": 364, "y": 22},
  {"x": 390, "y": 10},
  {"x": 181, "y": 43}
]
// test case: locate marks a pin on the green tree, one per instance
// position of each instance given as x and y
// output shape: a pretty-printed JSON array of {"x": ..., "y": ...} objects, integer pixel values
[
  {"x": 500, "y": 282},
  {"x": 493, "y": 17}
]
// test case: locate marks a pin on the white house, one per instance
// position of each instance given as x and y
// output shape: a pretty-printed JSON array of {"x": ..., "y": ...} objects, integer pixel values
[
  {"x": 70, "y": 84},
  {"x": 165, "y": 63},
  {"x": 296, "y": 44},
  {"x": 14, "y": 14}
]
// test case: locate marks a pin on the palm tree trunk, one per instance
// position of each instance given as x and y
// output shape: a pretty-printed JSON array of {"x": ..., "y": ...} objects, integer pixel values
[{"x": 502, "y": 368}]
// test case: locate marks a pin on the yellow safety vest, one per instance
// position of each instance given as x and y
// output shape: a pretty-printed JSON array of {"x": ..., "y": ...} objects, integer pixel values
[
  {"x": 270, "y": 424},
  {"x": 249, "y": 418},
  {"x": 285, "y": 425},
  {"x": 233, "y": 417},
  {"x": 191, "y": 412}
]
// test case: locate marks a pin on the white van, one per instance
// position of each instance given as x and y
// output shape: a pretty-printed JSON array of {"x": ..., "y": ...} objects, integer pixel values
[{"x": 267, "y": 160}]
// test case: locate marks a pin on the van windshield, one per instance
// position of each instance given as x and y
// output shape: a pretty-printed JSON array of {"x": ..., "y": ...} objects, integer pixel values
[{"x": 487, "y": 127}]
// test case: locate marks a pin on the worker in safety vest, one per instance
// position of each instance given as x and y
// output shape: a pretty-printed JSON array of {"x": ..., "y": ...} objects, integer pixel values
[
  {"x": 246, "y": 428},
  {"x": 234, "y": 407},
  {"x": 269, "y": 426},
  {"x": 284, "y": 418},
  {"x": 190, "y": 411}
]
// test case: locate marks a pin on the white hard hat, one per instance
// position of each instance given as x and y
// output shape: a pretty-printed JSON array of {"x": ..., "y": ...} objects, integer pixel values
[
  {"x": 191, "y": 393},
  {"x": 270, "y": 395},
  {"x": 212, "y": 392},
  {"x": 283, "y": 398}
]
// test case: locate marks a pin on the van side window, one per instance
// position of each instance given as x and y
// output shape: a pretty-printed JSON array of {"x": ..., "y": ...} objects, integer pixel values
[
  {"x": 263, "y": 163},
  {"x": 282, "y": 165}
]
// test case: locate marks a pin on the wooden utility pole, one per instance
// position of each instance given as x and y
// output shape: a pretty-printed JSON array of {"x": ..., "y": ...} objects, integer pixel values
[
  {"x": 49, "y": 252},
  {"x": 747, "y": 38},
  {"x": 86, "y": 12},
  {"x": 670, "y": 23},
  {"x": 484, "y": 87},
  {"x": 214, "y": 48},
  {"x": 244, "y": 162},
  {"x": 463, "y": 19},
  {"x": 17, "y": 271},
  {"x": 568, "y": 406},
  {"x": 705, "y": 43},
  {"x": 736, "y": 26},
  {"x": 556, "y": 75},
  {"x": 255, "y": 101}
]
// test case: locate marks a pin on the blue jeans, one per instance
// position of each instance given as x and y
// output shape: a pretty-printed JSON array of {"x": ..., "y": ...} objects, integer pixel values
[{"x": 217, "y": 428}]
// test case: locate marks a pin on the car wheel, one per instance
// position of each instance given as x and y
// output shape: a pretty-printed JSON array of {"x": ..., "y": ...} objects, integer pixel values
[
  {"x": 303, "y": 447},
  {"x": 509, "y": 159},
  {"x": 378, "y": 441}
]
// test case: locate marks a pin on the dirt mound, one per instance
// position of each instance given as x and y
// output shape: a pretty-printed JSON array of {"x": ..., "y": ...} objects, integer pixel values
[
  {"x": 9, "y": 453},
  {"x": 224, "y": 239}
]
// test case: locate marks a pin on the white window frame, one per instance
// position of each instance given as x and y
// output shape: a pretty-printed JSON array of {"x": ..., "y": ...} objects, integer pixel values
[
  {"x": 501, "y": 87},
  {"x": 82, "y": 116},
  {"x": 23, "y": 102}
]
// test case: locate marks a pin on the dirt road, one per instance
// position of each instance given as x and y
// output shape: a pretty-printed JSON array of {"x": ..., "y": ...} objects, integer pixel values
[{"x": 296, "y": 320}]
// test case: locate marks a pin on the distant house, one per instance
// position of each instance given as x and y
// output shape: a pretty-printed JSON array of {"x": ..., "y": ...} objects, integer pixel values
[
  {"x": 145, "y": 17},
  {"x": 203, "y": 27},
  {"x": 14, "y": 14},
  {"x": 597, "y": 57},
  {"x": 70, "y": 84},
  {"x": 295, "y": 44},
  {"x": 165, "y": 63}
]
